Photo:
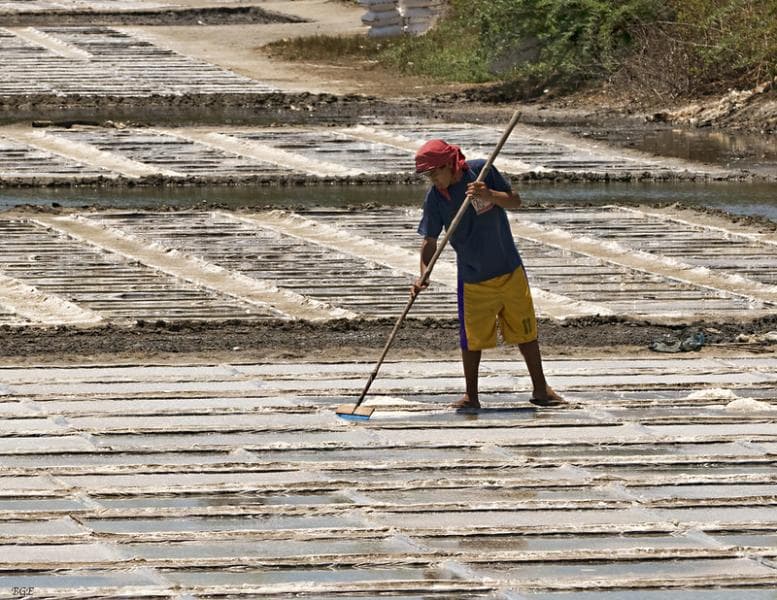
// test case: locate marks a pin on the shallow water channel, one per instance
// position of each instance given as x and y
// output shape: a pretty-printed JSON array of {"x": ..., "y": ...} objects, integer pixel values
[
  {"x": 756, "y": 153},
  {"x": 753, "y": 199}
]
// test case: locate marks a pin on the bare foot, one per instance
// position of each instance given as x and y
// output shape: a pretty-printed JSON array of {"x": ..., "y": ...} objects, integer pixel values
[
  {"x": 550, "y": 398},
  {"x": 465, "y": 405}
]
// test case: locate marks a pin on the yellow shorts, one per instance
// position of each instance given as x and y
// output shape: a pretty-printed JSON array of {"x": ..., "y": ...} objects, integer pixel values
[{"x": 503, "y": 301}]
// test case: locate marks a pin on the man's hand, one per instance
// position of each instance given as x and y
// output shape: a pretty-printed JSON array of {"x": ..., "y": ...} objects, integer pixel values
[
  {"x": 478, "y": 189},
  {"x": 417, "y": 288},
  {"x": 483, "y": 196}
]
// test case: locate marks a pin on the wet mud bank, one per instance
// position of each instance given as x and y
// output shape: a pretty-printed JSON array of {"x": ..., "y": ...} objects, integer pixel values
[
  {"x": 755, "y": 153},
  {"x": 295, "y": 108},
  {"x": 294, "y": 181},
  {"x": 749, "y": 110},
  {"x": 723, "y": 132},
  {"x": 193, "y": 181},
  {"x": 288, "y": 108},
  {"x": 265, "y": 109},
  {"x": 349, "y": 339},
  {"x": 231, "y": 15}
]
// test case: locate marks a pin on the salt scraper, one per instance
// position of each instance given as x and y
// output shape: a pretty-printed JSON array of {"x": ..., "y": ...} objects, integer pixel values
[{"x": 357, "y": 412}]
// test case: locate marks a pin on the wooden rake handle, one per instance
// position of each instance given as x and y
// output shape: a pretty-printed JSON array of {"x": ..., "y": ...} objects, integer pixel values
[{"x": 430, "y": 265}]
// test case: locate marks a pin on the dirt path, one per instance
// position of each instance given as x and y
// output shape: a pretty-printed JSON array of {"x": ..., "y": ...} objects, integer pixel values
[{"x": 238, "y": 47}]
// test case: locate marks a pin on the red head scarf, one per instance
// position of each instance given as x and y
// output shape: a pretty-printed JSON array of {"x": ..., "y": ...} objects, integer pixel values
[{"x": 437, "y": 153}]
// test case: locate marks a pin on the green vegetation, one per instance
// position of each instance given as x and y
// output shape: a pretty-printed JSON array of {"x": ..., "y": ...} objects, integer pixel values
[
  {"x": 724, "y": 43},
  {"x": 662, "y": 49}
]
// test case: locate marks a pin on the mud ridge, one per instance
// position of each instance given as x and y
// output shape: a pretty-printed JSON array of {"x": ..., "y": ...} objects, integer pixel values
[
  {"x": 155, "y": 181},
  {"x": 344, "y": 337},
  {"x": 255, "y": 108}
]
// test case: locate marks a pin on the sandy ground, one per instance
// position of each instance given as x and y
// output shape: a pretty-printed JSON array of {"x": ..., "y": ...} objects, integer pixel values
[{"x": 238, "y": 46}]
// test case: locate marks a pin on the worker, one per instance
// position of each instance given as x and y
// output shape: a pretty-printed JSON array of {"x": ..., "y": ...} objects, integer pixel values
[{"x": 493, "y": 291}]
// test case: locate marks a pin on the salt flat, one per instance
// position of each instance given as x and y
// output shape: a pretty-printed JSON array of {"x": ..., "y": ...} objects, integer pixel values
[
  {"x": 202, "y": 480},
  {"x": 98, "y": 267}
]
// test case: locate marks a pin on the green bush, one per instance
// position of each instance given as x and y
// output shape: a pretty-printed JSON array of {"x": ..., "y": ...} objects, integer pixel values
[
  {"x": 729, "y": 41},
  {"x": 566, "y": 41},
  {"x": 706, "y": 47},
  {"x": 673, "y": 47}
]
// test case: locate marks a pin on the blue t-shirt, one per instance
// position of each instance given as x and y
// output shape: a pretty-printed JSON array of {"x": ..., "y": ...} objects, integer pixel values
[{"x": 483, "y": 243}]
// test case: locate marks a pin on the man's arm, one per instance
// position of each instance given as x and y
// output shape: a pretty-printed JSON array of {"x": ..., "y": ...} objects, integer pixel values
[{"x": 428, "y": 248}]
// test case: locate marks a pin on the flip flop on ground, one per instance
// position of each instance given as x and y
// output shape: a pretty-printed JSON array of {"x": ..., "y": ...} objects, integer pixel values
[{"x": 551, "y": 398}]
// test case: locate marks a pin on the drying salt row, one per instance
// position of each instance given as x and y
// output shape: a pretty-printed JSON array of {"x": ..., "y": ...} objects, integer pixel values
[
  {"x": 122, "y": 267},
  {"x": 73, "y": 61},
  {"x": 83, "y": 154}
]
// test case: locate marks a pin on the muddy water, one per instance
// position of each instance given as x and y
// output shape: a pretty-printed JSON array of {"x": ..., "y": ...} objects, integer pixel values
[
  {"x": 754, "y": 199},
  {"x": 216, "y": 196},
  {"x": 753, "y": 152}
]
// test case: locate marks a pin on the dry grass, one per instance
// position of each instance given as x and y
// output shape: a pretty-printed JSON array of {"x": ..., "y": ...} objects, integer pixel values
[{"x": 326, "y": 48}]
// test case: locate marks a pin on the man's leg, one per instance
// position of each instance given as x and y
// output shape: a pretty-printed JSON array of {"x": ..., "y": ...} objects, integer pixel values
[
  {"x": 471, "y": 361},
  {"x": 477, "y": 327},
  {"x": 542, "y": 394},
  {"x": 519, "y": 322}
]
